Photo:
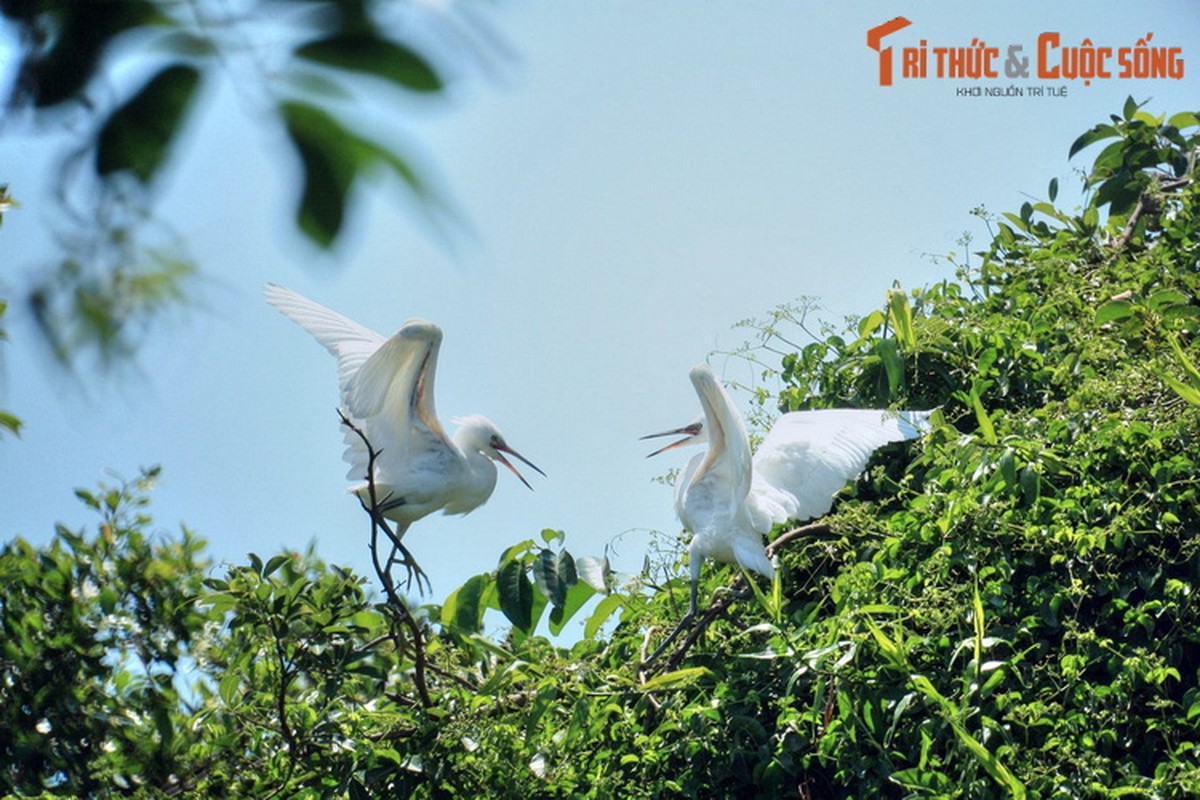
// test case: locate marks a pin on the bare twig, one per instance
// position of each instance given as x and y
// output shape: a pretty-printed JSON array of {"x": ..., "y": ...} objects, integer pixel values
[
  {"x": 1145, "y": 201},
  {"x": 400, "y": 611},
  {"x": 787, "y": 537}
]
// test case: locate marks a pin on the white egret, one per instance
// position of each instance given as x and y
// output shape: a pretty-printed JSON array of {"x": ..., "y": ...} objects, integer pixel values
[
  {"x": 387, "y": 396},
  {"x": 729, "y": 498}
]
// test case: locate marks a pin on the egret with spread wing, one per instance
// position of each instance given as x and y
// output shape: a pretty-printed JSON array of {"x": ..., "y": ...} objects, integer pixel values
[
  {"x": 387, "y": 397},
  {"x": 729, "y": 498}
]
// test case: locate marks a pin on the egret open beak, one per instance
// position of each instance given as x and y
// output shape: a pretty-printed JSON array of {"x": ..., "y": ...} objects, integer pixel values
[
  {"x": 688, "y": 432},
  {"x": 500, "y": 457}
]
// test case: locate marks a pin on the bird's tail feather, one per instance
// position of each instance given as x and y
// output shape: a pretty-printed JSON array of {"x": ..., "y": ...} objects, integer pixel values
[{"x": 753, "y": 558}]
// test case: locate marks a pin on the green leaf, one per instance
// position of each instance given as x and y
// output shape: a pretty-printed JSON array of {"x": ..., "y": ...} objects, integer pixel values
[
  {"x": 880, "y": 608},
  {"x": 463, "y": 609},
  {"x": 1130, "y": 108},
  {"x": 900, "y": 313},
  {"x": 1031, "y": 484},
  {"x": 1052, "y": 192},
  {"x": 986, "y": 758},
  {"x": 275, "y": 563},
  {"x": 600, "y": 614},
  {"x": 1091, "y": 217},
  {"x": 229, "y": 687},
  {"x": 516, "y": 594},
  {"x": 1091, "y": 137},
  {"x": 555, "y": 574},
  {"x": 562, "y": 613},
  {"x": 324, "y": 147},
  {"x": 870, "y": 323},
  {"x": 676, "y": 679},
  {"x": 1188, "y": 392},
  {"x": 981, "y": 415},
  {"x": 368, "y": 54},
  {"x": 893, "y": 365},
  {"x": 1192, "y": 372},
  {"x": 1166, "y": 297},
  {"x": 889, "y": 647},
  {"x": 1184, "y": 119},
  {"x": 928, "y": 782},
  {"x": 1113, "y": 310},
  {"x": 10, "y": 422},
  {"x": 136, "y": 137},
  {"x": 1008, "y": 467}
]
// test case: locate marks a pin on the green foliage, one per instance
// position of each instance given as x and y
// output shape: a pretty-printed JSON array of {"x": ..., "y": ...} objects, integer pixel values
[
  {"x": 6, "y": 201},
  {"x": 298, "y": 63},
  {"x": 1004, "y": 609},
  {"x": 8, "y": 422},
  {"x": 96, "y": 633}
]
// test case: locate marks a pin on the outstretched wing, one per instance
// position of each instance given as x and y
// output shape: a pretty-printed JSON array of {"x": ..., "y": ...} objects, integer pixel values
[
  {"x": 808, "y": 457},
  {"x": 386, "y": 384},
  {"x": 392, "y": 396},
  {"x": 350, "y": 343}
]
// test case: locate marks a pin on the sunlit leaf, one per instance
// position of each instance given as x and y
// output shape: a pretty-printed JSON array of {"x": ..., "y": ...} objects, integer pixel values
[
  {"x": 1188, "y": 392},
  {"x": 676, "y": 679},
  {"x": 463, "y": 609},
  {"x": 870, "y": 323},
  {"x": 900, "y": 314},
  {"x": 562, "y": 613},
  {"x": 1113, "y": 310},
  {"x": 1184, "y": 119},
  {"x": 600, "y": 614},
  {"x": 10, "y": 422}
]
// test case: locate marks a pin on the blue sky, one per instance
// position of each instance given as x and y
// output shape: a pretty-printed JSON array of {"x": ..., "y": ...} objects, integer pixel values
[{"x": 637, "y": 178}]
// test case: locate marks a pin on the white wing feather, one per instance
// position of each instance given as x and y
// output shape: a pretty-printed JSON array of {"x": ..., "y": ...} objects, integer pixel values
[
  {"x": 350, "y": 343},
  {"x": 386, "y": 385},
  {"x": 808, "y": 457},
  {"x": 391, "y": 398}
]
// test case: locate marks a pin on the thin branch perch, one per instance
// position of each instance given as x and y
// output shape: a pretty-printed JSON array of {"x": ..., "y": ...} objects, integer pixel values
[{"x": 395, "y": 604}]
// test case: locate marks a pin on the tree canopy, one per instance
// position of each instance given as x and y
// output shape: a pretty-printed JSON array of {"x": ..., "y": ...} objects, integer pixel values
[{"x": 1006, "y": 608}]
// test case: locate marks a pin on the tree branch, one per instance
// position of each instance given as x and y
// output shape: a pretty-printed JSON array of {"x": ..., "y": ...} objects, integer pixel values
[{"x": 399, "y": 609}]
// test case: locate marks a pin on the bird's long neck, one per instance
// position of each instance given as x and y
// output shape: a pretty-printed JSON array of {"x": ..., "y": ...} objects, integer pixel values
[
  {"x": 478, "y": 476},
  {"x": 728, "y": 445}
]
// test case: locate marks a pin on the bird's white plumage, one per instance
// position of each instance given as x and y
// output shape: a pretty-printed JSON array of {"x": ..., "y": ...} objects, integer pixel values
[
  {"x": 386, "y": 390},
  {"x": 808, "y": 456},
  {"x": 711, "y": 494},
  {"x": 729, "y": 498}
]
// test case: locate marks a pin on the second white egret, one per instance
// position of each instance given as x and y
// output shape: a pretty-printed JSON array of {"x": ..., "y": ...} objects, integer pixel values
[{"x": 729, "y": 498}]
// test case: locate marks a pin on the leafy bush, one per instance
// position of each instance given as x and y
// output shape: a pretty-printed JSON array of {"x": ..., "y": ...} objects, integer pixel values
[{"x": 1005, "y": 609}]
